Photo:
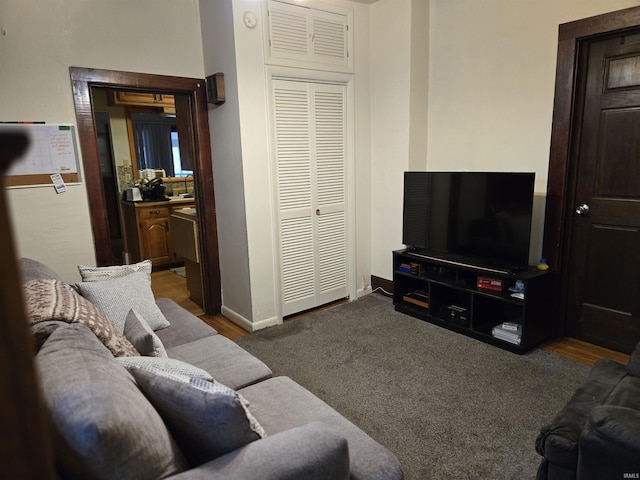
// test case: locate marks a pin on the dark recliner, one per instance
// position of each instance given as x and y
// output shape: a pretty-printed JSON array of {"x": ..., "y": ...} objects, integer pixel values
[{"x": 596, "y": 436}]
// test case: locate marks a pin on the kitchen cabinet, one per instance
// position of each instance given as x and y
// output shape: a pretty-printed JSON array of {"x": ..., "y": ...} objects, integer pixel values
[
  {"x": 184, "y": 234},
  {"x": 143, "y": 99},
  {"x": 148, "y": 231}
]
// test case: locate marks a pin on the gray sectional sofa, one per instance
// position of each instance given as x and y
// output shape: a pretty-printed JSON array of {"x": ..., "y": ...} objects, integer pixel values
[{"x": 111, "y": 419}]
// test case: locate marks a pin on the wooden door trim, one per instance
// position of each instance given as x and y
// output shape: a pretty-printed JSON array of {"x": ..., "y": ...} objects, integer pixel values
[
  {"x": 563, "y": 131},
  {"x": 82, "y": 80}
]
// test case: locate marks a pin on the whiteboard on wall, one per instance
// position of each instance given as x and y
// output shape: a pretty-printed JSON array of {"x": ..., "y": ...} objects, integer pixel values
[{"x": 52, "y": 150}]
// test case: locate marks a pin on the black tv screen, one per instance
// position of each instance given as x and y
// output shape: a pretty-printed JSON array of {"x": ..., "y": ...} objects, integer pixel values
[{"x": 481, "y": 218}]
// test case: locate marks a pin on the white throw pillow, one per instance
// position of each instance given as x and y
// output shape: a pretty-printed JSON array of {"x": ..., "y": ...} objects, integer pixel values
[
  {"x": 172, "y": 367},
  {"x": 97, "y": 274}
]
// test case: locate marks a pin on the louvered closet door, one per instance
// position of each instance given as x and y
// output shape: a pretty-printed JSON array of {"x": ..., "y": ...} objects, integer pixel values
[
  {"x": 310, "y": 35},
  {"x": 310, "y": 144}
]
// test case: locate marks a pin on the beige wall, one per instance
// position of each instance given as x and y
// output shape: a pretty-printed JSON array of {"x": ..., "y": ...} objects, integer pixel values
[
  {"x": 490, "y": 97},
  {"x": 40, "y": 41}
]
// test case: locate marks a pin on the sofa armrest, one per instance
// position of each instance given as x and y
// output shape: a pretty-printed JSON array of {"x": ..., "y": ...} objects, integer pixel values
[
  {"x": 558, "y": 442},
  {"x": 312, "y": 451},
  {"x": 610, "y": 444}
]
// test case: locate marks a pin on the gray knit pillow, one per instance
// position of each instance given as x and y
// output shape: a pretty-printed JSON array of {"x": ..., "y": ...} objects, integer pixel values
[
  {"x": 97, "y": 274},
  {"x": 116, "y": 297}
]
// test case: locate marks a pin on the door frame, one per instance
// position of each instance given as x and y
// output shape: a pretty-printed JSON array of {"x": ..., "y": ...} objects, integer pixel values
[
  {"x": 564, "y": 131},
  {"x": 83, "y": 79}
]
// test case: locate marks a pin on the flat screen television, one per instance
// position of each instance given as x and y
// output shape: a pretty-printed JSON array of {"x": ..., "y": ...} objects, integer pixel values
[{"x": 481, "y": 219}]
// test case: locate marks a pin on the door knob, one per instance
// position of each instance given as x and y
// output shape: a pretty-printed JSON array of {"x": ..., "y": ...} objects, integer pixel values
[
  {"x": 317, "y": 211},
  {"x": 582, "y": 209}
]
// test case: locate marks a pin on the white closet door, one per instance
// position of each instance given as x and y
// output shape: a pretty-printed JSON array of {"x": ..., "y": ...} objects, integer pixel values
[
  {"x": 310, "y": 153},
  {"x": 317, "y": 38}
]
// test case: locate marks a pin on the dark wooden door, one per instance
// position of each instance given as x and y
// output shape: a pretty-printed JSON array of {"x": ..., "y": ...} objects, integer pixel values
[{"x": 603, "y": 289}]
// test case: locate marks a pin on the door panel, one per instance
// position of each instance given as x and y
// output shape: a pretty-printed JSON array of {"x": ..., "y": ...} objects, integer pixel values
[
  {"x": 310, "y": 162},
  {"x": 603, "y": 278}
]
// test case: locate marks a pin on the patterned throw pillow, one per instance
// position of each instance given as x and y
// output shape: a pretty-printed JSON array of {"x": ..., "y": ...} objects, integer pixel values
[
  {"x": 139, "y": 333},
  {"x": 116, "y": 297},
  {"x": 97, "y": 274},
  {"x": 206, "y": 418},
  {"x": 49, "y": 299},
  {"x": 166, "y": 366}
]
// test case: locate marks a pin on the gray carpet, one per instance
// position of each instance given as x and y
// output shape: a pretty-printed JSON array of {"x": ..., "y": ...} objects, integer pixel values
[{"x": 447, "y": 405}]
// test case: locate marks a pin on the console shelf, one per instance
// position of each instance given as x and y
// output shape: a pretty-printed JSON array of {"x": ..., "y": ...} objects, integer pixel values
[{"x": 450, "y": 297}]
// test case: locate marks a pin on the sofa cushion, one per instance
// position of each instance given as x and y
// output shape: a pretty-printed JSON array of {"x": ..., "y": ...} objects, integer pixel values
[
  {"x": 207, "y": 418},
  {"x": 558, "y": 442},
  {"x": 139, "y": 333},
  {"x": 223, "y": 359},
  {"x": 50, "y": 299},
  {"x": 104, "y": 426},
  {"x": 626, "y": 393},
  {"x": 96, "y": 274},
  {"x": 310, "y": 452},
  {"x": 634, "y": 362},
  {"x": 42, "y": 330},
  {"x": 280, "y": 404},
  {"x": 117, "y": 296},
  {"x": 168, "y": 366},
  {"x": 31, "y": 269},
  {"x": 185, "y": 327}
]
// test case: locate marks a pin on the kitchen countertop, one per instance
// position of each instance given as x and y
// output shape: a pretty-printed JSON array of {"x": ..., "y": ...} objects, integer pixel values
[{"x": 159, "y": 203}]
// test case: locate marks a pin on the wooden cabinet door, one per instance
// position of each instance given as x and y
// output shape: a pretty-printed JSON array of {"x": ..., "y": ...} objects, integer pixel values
[
  {"x": 142, "y": 99},
  {"x": 156, "y": 240}
]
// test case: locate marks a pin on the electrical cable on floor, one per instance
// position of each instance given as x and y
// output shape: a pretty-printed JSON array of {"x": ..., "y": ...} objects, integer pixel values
[{"x": 383, "y": 290}]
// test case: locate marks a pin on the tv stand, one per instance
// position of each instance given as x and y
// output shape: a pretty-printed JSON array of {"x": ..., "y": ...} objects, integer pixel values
[{"x": 445, "y": 292}]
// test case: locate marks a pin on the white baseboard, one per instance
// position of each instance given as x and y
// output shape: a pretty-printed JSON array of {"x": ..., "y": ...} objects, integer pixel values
[{"x": 248, "y": 324}]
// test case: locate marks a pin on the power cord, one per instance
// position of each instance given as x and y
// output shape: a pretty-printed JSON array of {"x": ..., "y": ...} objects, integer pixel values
[{"x": 382, "y": 290}]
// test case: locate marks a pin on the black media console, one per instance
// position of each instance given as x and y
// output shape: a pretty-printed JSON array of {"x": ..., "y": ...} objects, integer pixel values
[{"x": 511, "y": 311}]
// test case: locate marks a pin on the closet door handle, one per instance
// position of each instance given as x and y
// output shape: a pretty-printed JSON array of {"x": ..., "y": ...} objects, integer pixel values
[{"x": 317, "y": 211}]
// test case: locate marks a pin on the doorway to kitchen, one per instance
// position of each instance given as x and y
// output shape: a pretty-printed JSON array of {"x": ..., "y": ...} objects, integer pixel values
[{"x": 192, "y": 92}]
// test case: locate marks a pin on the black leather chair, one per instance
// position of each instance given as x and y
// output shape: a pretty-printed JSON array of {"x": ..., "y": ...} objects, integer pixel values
[{"x": 596, "y": 436}]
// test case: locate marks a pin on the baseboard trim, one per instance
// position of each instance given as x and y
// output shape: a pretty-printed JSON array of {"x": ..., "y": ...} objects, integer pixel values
[
  {"x": 246, "y": 323},
  {"x": 382, "y": 286},
  {"x": 361, "y": 292}
]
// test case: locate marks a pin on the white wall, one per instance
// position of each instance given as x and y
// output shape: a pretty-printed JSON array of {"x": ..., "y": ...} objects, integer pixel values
[
  {"x": 489, "y": 70},
  {"x": 390, "y": 126},
  {"x": 224, "y": 122},
  {"x": 40, "y": 41},
  {"x": 491, "y": 86},
  {"x": 491, "y": 77}
]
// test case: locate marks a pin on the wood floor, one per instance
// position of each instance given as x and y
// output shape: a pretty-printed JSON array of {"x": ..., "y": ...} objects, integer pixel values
[{"x": 166, "y": 284}]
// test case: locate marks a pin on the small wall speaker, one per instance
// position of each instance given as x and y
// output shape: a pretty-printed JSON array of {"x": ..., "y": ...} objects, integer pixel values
[{"x": 215, "y": 88}]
